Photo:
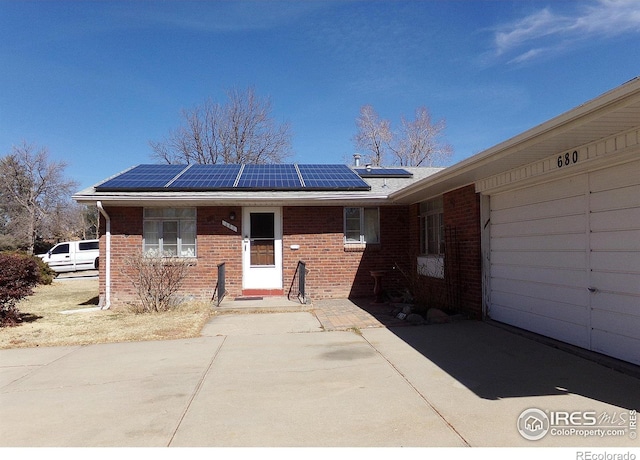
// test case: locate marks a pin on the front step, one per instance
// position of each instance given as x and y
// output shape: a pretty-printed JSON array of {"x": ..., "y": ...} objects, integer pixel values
[
  {"x": 262, "y": 292},
  {"x": 261, "y": 304}
]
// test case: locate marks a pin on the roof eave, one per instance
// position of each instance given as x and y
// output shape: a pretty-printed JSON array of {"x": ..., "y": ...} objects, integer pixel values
[
  {"x": 487, "y": 163},
  {"x": 212, "y": 199}
]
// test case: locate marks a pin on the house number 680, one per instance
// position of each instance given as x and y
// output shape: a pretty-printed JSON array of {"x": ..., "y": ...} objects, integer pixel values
[{"x": 567, "y": 159}]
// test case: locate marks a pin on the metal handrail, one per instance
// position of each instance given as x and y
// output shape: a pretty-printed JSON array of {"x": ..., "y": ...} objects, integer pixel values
[
  {"x": 302, "y": 286},
  {"x": 220, "y": 289},
  {"x": 301, "y": 272}
]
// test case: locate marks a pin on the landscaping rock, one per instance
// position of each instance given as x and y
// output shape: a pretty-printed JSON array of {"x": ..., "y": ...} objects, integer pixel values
[
  {"x": 416, "y": 319},
  {"x": 437, "y": 316}
]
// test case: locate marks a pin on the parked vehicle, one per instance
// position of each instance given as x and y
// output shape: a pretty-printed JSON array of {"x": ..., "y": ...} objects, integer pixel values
[{"x": 71, "y": 256}]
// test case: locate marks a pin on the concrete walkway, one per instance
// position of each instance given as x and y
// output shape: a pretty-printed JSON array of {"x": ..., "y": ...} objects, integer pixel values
[
  {"x": 333, "y": 314},
  {"x": 284, "y": 379}
]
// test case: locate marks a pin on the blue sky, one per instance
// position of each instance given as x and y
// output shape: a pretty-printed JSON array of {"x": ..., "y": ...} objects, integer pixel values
[{"x": 94, "y": 82}]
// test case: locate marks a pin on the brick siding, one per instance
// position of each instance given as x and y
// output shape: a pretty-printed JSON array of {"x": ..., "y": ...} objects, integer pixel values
[
  {"x": 333, "y": 270},
  {"x": 336, "y": 271},
  {"x": 461, "y": 288}
]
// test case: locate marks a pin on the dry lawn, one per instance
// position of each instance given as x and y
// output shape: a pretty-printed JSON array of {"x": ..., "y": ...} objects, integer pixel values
[{"x": 45, "y": 325}]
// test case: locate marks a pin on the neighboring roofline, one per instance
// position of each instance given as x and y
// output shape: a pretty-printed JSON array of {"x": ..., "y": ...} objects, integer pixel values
[{"x": 470, "y": 170}]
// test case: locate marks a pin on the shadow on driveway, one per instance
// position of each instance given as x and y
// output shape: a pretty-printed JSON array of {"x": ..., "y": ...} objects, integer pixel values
[{"x": 496, "y": 363}]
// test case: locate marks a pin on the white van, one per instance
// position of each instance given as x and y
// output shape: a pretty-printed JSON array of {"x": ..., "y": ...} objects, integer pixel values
[{"x": 71, "y": 256}]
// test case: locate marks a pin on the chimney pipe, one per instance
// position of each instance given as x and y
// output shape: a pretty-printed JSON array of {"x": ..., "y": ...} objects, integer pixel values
[{"x": 356, "y": 159}]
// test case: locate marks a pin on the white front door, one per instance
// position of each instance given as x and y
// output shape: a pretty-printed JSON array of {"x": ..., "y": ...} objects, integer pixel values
[{"x": 262, "y": 248}]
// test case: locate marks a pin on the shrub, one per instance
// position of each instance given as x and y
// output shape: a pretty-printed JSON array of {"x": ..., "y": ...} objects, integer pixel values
[
  {"x": 19, "y": 274},
  {"x": 46, "y": 274},
  {"x": 156, "y": 279}
]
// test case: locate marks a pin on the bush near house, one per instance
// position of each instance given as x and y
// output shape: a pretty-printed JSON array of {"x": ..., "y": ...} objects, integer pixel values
[
  {"x": 19, "y": 274},
  {"x": 156, "y": 278}
]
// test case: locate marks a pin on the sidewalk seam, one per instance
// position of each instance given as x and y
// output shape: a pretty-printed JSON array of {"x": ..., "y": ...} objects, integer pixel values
[
  {"x": 196, "y": 391},
  {"x": 423, "y": 397},
  {"x": 37, "y": 367}
]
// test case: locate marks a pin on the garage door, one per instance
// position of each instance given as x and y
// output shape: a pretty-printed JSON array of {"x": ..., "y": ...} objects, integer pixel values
[
  {"x": 565, "y": 260},
  {"x": 615, "y": 261}
]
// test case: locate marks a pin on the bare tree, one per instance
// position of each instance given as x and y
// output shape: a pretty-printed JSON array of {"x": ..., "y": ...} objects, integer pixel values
[
  {"x": 373, "y": 136},
  {"x": 240, "y": 131},
  {"x": 418, "y": 142},
  {"x": 90, "y": 222},
  {"x": 32, "y": 190},
  {"x": 69, "y": 221}
]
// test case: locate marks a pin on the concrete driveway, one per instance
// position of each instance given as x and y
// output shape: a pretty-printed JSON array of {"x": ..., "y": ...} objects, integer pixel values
[{"x": 282, "y": 380}]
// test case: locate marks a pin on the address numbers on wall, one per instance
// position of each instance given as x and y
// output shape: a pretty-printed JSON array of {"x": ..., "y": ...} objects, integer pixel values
[{"x": 568, "y": 158}]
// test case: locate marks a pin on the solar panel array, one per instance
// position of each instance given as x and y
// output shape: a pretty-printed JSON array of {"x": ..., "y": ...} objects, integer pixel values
[
  {"x": 145, "y": 177},
  {"x": 202, "y": 177},
  {"x": 383, "y": 172},
  {"x": 235, "y": 177},
  {"x": 278, "y": 176},
  {"x": 335, "y": 177}
]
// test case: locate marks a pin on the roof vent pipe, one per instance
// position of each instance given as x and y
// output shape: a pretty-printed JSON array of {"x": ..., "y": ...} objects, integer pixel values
[
  {"x": 368, "y": 166},
  {"x": 356, "y": 159},
  {"x": 107, "y": 267}
]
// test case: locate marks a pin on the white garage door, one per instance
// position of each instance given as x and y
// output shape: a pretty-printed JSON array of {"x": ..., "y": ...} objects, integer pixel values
[
  {"x": 615, "y": 261},
  {"x": 565, "y": 260}
]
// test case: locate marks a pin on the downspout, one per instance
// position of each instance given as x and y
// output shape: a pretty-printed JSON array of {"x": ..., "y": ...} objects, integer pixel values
[{"x": 107, "y": 267}]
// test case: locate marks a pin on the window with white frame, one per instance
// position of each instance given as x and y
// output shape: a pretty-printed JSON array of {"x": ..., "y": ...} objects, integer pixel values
[
  {"x": 361, "y": 225},
  {"x": 170, "y": 231},
  {"x": 432, "y": 240},
  {"x": 432, "y": 227}
]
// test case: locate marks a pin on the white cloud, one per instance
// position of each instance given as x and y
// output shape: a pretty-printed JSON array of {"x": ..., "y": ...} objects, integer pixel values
[
  {"x": 537, "y": 25},
  {"x": 528, "y": 56},
  {"x": 550, "y": 31}
]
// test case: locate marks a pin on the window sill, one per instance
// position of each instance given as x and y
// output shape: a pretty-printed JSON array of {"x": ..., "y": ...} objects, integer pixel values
[
  {"x": 179, "y": 257},
  {"x": 170, "y": 260},
  {"x": 361, "y": 247}
]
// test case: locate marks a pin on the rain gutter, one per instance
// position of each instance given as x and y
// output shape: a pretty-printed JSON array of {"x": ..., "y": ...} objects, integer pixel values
[{"x": 107, "y": 293}]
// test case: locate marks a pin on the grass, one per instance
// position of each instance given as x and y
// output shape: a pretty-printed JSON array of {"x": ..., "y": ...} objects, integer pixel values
[{"x": 44, "y": 324}]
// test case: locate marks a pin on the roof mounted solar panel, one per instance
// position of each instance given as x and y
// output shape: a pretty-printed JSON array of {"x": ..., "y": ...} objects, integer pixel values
[
  {"x": 206, "y": 177},
  {"x": 143, "y": 177},
  {"x": 269, "y": 177},
  {"x": 331, "y": 177},
  {"x": 227, "y": 177},
  {"x": 383, "y": 172}
]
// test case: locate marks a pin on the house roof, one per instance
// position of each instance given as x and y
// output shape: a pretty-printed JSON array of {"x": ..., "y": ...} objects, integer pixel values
[
  {"x": 164, "y": 185},
  {"x": 610, "y": 114}
]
